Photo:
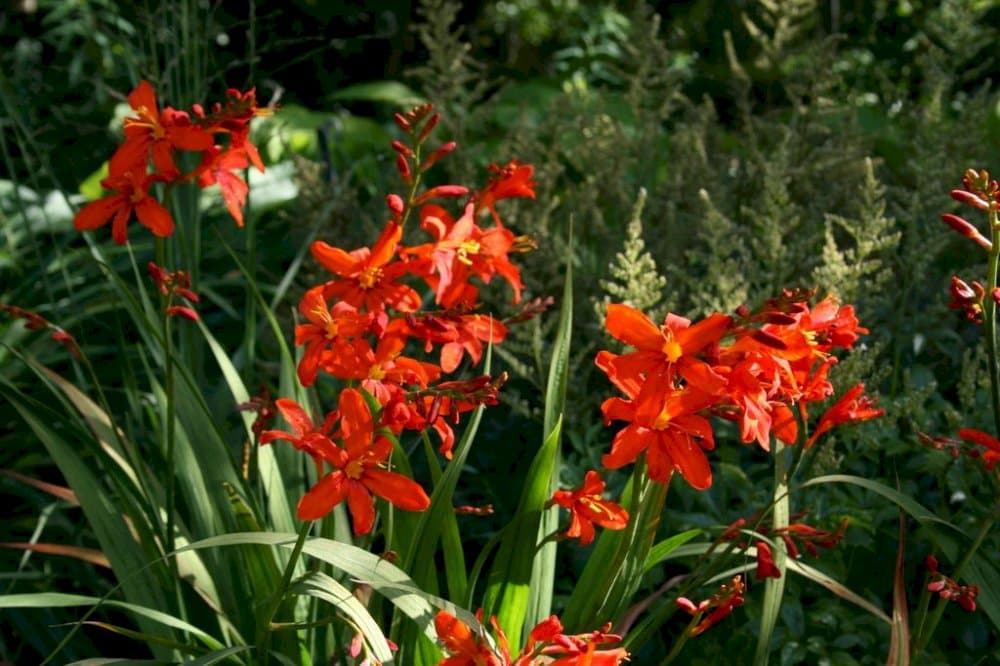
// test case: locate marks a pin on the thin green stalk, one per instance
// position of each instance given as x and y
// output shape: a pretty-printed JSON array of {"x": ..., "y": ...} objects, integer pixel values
[
  {"x": 682, "y": 641},
  {"x": 990, "y": 335},
  {"x": 990, "y": 319},
  {"x": 264, "y": 621},
  {"x": 250, "y": 306},
  {"x": 985, "y": 527},
  {"x": 775, "y": 587}
]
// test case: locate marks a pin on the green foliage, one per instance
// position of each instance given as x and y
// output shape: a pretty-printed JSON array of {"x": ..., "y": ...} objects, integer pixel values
[{"x": 635, "y": 280}]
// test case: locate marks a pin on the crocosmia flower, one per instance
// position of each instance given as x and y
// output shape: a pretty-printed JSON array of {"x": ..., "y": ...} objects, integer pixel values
[
  {"x": 589, "y": 508},
  {"x": 359, "y": 470},
  {"x": 130, "y": 194}
]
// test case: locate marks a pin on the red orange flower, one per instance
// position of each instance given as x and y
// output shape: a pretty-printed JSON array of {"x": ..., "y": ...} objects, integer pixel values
[
  {"x": 721, "y": 604},
  {"x": 664, "y": 353},
  {"x": 158, "y": 131},
  {"x": 131, "y": 194},
  {"x": 672, "y": 439},
  {"x": 367, "y": 278},
  {"x": 305, "y": 436},
  {"x": 463, "y": 646},
  {"x": 991, "y": 456},
  {"x": 765, "y": 562},
  {"x": 513, "y": 180},
  {"x": 852, "y": 407},
  {"x": 588, "y": 508},
  {"x": 461, "y": 248},
  {"x": 326, "y": 327},
  {"x": 358, "y": 470}
]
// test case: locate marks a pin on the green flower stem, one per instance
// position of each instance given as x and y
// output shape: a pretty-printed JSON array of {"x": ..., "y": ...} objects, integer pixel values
[
  {"x": 990, "y": 332},
  {"x": 675, "y": 650},
  {"x": 990, "y": 318},
  {"x": 264, "y": 620},
  {"x": 985, "y": 527},
  {"x": 411, "y": 193},
  {"x": 774, "y": 587},
  {"x": 171, "y": 437}
]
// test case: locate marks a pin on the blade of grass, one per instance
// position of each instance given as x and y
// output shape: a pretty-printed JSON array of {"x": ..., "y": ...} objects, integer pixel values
[
  {"x": 117, "y": 543},
  {"x": 318, "y": 584},
  {"x": 544, "y": 565},
  {"x": 508, "y": 586},
  {"x": 899, "y": 645},
  {"x": 774, "y": 588}
]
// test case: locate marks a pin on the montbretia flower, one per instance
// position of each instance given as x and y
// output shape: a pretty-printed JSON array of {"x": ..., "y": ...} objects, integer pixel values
[
  {"x": 511, "y": 180},
  {"x": 130, "y": 195},
  {"x": 968, "y": 298},
  {"x": 673, "y": 439},
  {"x": 359, "y": 470},
  {"x": 366, "y": 278},
  {"x": 766, "y": 567},
  {"x": 722, "y": 604},
  {"x": 327, "y": 327},
  {"x": 664, "y": 353},
  {"x": 157, "y": 132},
  {"x": 852, "y": 407},
  {"x": 948, "y": 589},
  {"x": 464, "y": 647},
  {"x": 991, "y": 455},
  {"x": 305, "y": 436},
  {"x": 589, "y": 508}
]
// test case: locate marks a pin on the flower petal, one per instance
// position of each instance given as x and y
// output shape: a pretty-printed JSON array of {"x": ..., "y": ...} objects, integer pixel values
[
  {"x": 321, "y": 498},
  {"x": 97, "y": 213},
  {"x": 402, "y": 492},
  {"x": 154, "y": 216},
  {"x": 362, "y": 506}
]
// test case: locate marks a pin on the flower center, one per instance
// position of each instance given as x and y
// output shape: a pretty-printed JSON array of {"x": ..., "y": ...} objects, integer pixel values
[
  {"x": 354, "y": 469},
  {"x": 376, "y": 372},
  {"x": 662, "y": 420},
  {"x": 465, "y": 249},
  {"x": 332, "y": 326},
  {"x": 370, "y": 277},
  {"x": 671, "y": 349}
]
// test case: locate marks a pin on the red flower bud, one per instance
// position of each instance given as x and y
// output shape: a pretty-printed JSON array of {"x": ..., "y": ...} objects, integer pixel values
[
  {"x": 442, "y": 191},
  {"x": 395, "y": 203},
  {"x": 967, "y": 230},
  {"x": 438, "y": 154},
  {"x": 181, "y": 311},
  {"x": 403, "y": 123},
  {"x": 402, "y": 149},
  {"x": 969, "y": 198},
  {"x": 404, "y": 168},
  {"x": 187, "y": 293},
  {"x": 429, "y": 127}
]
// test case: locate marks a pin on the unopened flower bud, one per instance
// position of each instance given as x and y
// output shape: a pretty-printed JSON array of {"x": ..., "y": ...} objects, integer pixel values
[
  {"x": 438, "y": 154},
  {"x": 403, "y": 123},
  {"x": 186, "y": 293},
  {"x": 442, "y": 191},
  {"x": 181, "y": 311},
  {"x": 969, "y": 198},
  {"x": 429, "y": 127},
  {"x": 402, "y": 149},
  {"x": 395, "y": 203},
  {"x": 967, "y": 230},
  {"x": 686, "y": 605},
  {"x": 404, "y": 168}
]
